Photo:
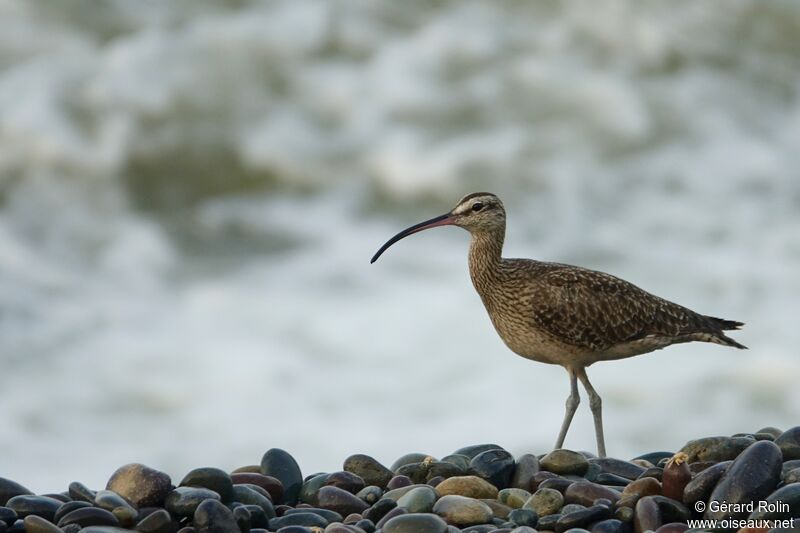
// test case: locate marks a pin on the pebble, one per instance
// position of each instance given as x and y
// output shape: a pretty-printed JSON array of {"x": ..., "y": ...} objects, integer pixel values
[
  {"x": 409, "y": 458},
  {"x": 141, "y": 485},
  {"x": 340, "y": 500},
  {"x": 788, "y": 495},
  {"x": 345, "y": 481},
  {"x": 110, "y": 500},
  {"x": 558, "y": 483},
  {"x": 89, "y": 516},
  {"x": 37, "y": 524},
  {"x": 183, "y": 501},
  {"x": 42, "y": 506},
  {"x": 9, "y": 489},
  {"x": 654, "y": 457},
  {"x": 753, "y": 475},
  {"x": 789, "y": 443},
  {"x": 499, "y": 510},
  {"x": 327, "y": 514},
  {"x": 523, "y": 517},
  {"x": 210, "y": 478},
  {"x": 254, "y": 495},
  {"x": 475, "y": 449},
  {"x": 700, "y": 487},
  {"x": 310, "y": 488},
  {"x": 514, "y": 498},
  {"x": 67, "y": 508},
  {"x": 527, "y": 467},
  {"x": 646, "y": 516},
  {"x": 298, "y": 519},
  {"x": 281, "y": 465},
  {"x": 620, "y": 468},
  {"x": 792, "y": 476},
  {"x": 582, "y": 517},
  {"x": 548, "y": 523},
  {"x": 368, "y": 469},
  {"x": 79, "y": 491},
  {"x": 469, "y": 486},
  {"x": 462, "y": 511},
  {"x": 545, "y": 502},
  {"x": 672, "y": 527},
  {"x": 495, "y": 466},
  {"x": 715, "y": 448},
  {"x": 586, "y": 492},
  {"x": 379, "y": 509},
  {"x": 397, "y": 511},
  {"x": 415, "y": 523},
  {"x": 211, "y": 516},
  {"x": 458, "y": 460},
  {"x": 158, "y": 521},
  {"x": 611, "y": 525},
  {"x": 399, "y": 481},
  {"x": 646, "y": 486},
  {"x": 270, "y": 484},
  {"x": 565, "y": 462},
  {"x": 418, "y": 500},
  {"x": 370, "y": 494},
  {"x": 396, "y": 494}
]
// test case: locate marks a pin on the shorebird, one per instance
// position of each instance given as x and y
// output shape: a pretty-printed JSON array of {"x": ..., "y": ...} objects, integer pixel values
[{"x": 566, "y": 315}]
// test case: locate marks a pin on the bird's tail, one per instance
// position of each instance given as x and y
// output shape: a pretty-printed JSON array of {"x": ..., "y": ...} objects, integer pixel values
[{"x": 721, "y": 338}]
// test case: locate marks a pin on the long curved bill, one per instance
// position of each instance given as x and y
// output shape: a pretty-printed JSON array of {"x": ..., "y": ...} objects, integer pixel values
[{"x": 443, "y": 220}]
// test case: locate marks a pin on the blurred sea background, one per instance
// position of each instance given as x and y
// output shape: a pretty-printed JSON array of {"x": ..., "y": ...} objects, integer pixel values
[{"x": 190, "y": 193}]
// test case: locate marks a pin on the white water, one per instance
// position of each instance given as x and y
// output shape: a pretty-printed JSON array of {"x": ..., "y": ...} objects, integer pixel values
[{"x": 190, "y": 193}]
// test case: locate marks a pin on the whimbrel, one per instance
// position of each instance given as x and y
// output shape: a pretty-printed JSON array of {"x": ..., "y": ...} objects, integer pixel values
[{"x": 566, "y": 315}]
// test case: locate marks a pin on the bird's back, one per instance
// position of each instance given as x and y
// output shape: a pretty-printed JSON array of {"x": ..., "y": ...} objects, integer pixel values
[{"x": 570, "y": 315}]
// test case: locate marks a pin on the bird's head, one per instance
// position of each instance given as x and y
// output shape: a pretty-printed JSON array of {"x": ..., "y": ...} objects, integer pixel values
[{"x": 479, "y": 212}]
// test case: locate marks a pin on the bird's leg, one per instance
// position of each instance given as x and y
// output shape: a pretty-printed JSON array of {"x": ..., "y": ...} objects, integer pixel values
[
  {"x": 572, "y": 405},
  {"x": 596, "y": 405}
]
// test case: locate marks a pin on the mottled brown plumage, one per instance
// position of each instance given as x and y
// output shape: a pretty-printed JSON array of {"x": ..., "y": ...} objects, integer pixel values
[{"x": 566, "y": 315}]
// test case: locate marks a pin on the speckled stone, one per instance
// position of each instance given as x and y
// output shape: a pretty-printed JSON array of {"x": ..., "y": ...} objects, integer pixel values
[
  {"x": 462, "y": 511},
  {"x": 715, "y": 448},
  {"x": 469, "y": 486},
  {"x": 545, "y": 502},
  {"x": 565, "y": 462},
  {"x": 369, "y": 469},
  {"x": 514, "y": 498},
  {"x": 141, "y": 485}
]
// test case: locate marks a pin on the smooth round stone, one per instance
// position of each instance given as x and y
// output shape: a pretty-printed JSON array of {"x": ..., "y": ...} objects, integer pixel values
[
  {"x": 415, "y": 523},
  {"x": 646, "y": 515},
  {"x": 366, "y": 525},
  {"x": 475, "y": 449},
  {"x": 210, "y": 478},
  {"x": 672, "y": 527},
  {"x": 514, "y": 498},
  {"x": 397, "y": 511},
  {"x": 282, "y": 466},
  {"x": 545, "y": 502},
  {"x": 418, "y": 500},
  {"x": 183, "y": 501},
  {"x": 700, "y": 487},
  {"x": 499, "y": 510},
  {"x": 141, "y": 485},
  {"x": 624, "y": 514},
  {"x": 582, "y": 517},
  {"x": 254, "y": 495},
  {"x": 495, "y": 466},
  {"x": 270, "y": 484},
  {"x": 443, "y": 469},
  {"x": 396, "y": 494},
  {"x": 341, "y": 528},
  {"x": 480, "y": 528},
  {"x": 671, "y": 510},
  {"x": 25, "y": 505},
  {"x": 379, "y": 509},
  {"x": 458, "y": 460},
  {"x": 564, "y": 462},
  {"x": 399, "y": 481},
  {"x": 462, "y": 511},
  {"x": 416, "y": 472},
  {"x": 110, "y": 500},
  {"x": 258, "y": 518},
  {"x": 99, "y": 529},
  {"x": 753, "y": 476},
  {"x": 242, "y": 517},
  {"x": 523, "y": 517},
  {"x": 620, "y": 468},
  {"x": 80, "y": 492},
  {"x": 8, "y": 516},
  {"x": 370, "y": 494},
  {"x": 781, "y": 504},
  {"x": 339, "y": 500},
  {"x": 655, "y": 472},
  {"x": 67, "y": 508},
  {"x": 310, "y": 489},
  {"x": 548, "y": 523},
  {"x": 789, "y": 443},
  {"x": 592, "y": 472},
  {"x": 789, "y": 465},
  {"x": 523, "y": 529},
  {"x": 298, "y": 519},
  {"x": 126, "y": 516},
  {"x": 157, "y": 522},
  {"x": 212, "y": 516},
  {"x": 345, "y": 481},
  {"x": 469, "y": 486},
  {"x": 256, "y": 469},
  {"x": 527, "y": 467},
  {"x": 775, "y": 432},
  {"x": 89, "y": 516},
  {"x": 292, "y": 529},
  {"x": 9, "y": 489},
  {"x": 327, "y": 514},
  {"x": 408, "y": 459},
  {"x": 605, "y": 478},
  {"x": 37, "y": 524},
  {"x": 586, "y": 492},
  {"x": 715, "y": 449},
  {"x": 611, "y": 525},
  {"x": 559, "y": 483},
  {"x": 368, "y": 469},
  {"x": 646, "y": 486}
]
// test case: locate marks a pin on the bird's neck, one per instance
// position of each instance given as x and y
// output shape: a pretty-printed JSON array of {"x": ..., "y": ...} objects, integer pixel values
[{"x": 485, "y": 252}]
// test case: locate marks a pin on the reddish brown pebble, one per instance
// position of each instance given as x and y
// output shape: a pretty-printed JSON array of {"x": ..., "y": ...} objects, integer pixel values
[
  {"x": 646, "y": 486},
  {"x": 676, "y": 476},
  {"x": 270, "y": 484},
  {"x": 646, "y": 516},
  {"x": 586, "y": 492}
]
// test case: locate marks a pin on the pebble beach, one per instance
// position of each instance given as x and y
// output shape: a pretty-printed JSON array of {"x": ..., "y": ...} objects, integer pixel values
[{"x": 745, "y": 482}]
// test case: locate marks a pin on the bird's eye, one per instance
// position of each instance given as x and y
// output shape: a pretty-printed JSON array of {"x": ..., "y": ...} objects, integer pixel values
[{"x": 477, "y": 206}]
